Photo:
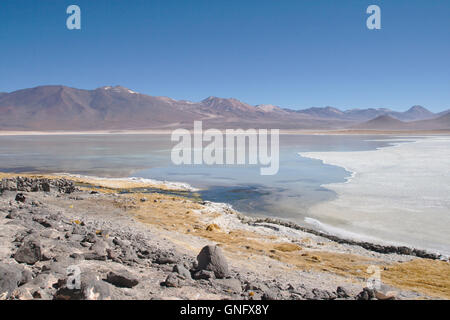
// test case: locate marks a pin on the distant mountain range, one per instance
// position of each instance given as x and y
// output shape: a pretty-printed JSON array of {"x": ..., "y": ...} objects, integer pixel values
[
  {"x": 414, "y": 113},
  {"x": 386, "y": 122},
  {"x": 48, "y": 108}
]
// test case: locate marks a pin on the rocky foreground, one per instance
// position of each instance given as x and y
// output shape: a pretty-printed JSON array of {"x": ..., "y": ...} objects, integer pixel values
[{"x": 59, "y": 241}]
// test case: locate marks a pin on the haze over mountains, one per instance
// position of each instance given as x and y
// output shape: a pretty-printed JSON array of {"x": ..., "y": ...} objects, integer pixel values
[
  {"x": 412, "y": 114},
  {"x": 48, "y": 108}
]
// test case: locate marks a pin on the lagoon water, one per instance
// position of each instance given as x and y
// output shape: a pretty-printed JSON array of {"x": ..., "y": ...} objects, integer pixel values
[
  {"x": 292, "y": 194},
  {"x": 287, "y": 194}
]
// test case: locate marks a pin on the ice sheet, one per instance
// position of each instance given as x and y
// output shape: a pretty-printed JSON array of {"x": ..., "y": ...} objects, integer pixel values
[{"x": 398, "y": 194}]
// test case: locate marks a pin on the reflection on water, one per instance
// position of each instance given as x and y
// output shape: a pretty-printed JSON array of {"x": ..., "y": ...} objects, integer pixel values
[{"x": 288, "y": 194}]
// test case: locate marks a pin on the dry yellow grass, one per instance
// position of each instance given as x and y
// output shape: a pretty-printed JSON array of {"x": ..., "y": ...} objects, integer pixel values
[
  {"x": 212, "y": 227},
  {"x": 176, "y": 213},
  {"x": 428, "y": 276},
  {"x": 287, "y": 247}
]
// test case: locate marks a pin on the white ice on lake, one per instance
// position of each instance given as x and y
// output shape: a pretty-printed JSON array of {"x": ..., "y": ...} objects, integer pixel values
[{"x": 398, "y": 194}]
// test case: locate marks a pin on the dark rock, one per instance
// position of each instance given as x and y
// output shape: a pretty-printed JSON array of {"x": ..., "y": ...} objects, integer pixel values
[
  {"x": 37, "y": 184},
  {"x": 20, "y": 197},
  {"x": 121, "y": 243},
  {"x": 173, "y": 280},
  {"x": 64, "y": 186},
  {"x": 112, "y": 255},
  {"x": 122, "y": 279},
  {"x": 128, "y": 255},
  {"x": 212, "y": 259},
  {"x": 404, "y": 250},
  {"x": 203, "y": 275},
  {"x": 45, "y": 186},
  {"x": 94, "y": 256},
  {"x": 90, "y": 237},
  {"x": 143, "y": 253},
  {"x": 181, "y": 270},
  {"x": 164, "y": 260},
  {"x": 323, "y": 294},
  {"x": 10, "y": 279},
  {"x": 29, "y": 252},
  {"x": 342, "y": 292},
  {"x": 76, "y": 256},
  {"x": 362, "y": 296},
  {"x": 366, "y": 294},
  {"x": 269, "y": 295},
  {"x": 296, "y": 296},
  {"x": 366, "y": 245},
  {"x": 43, "y": 222},
  {"x": 308, "y": 295}
]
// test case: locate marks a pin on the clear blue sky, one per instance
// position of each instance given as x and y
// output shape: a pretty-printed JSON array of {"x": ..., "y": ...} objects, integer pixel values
[{"x": 298, "y": 53}]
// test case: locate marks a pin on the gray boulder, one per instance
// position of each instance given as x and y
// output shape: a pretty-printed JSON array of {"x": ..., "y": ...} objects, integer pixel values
[
  {"x": 362, "y": 296},
  {"x": 89, "y": 288},
  {"x": 182, "y": 271},
  {"x": 29, "y": 252},
  {"x": 122, "y": 279},
  {"x": 98, "y": 251},
  {"x": 10, "y": 279},
  {"x": 229, "y": 285},
  {"x": 366, "y": 294},
  {"x": 211, "y": 258},
  {"x": 128, "y": 255},
  {"x": 164, "y": 259},
  {"x": 173, "y": 280}
]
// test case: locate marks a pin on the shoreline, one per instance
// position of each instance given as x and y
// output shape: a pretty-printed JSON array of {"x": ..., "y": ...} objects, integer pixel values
[
  {"x": 136, "y": 183},
  {"x": 371, "y": 246},
  {"x": 169, "y": 131}
]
